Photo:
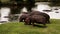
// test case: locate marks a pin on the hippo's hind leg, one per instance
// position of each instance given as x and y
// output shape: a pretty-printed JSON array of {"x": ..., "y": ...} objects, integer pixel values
[
  {"x": 48, "y": 21},
  {"x": 44, "y": 23}
]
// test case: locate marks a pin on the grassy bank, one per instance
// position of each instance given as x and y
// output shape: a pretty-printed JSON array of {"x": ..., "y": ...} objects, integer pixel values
[{"x": 20, "y": 28}]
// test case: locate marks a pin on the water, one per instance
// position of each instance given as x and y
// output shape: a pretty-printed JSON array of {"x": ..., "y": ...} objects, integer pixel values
[
  {"x": 43, "y": 6},
  {"x": 4, "y": 11},
  {"x": 24, "y": 9}
]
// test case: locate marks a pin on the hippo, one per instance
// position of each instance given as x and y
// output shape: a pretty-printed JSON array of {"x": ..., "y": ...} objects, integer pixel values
[
  {"x": 43, "y": 14},
  {"x": 36, "y": 19}
]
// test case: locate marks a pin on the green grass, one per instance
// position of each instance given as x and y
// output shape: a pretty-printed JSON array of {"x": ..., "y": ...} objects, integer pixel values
[{"x": 20, "y": 28}]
